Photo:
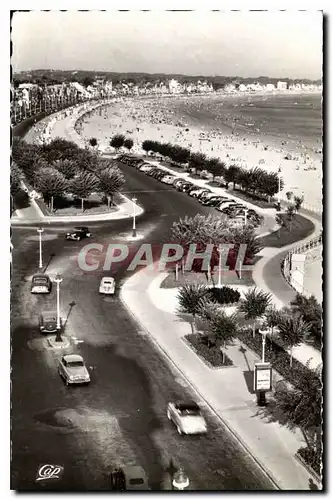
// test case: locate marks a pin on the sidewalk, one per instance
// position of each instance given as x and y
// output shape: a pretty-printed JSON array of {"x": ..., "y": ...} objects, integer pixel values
[
  {"x": 124, "y": 211},
  {"x": 225, "y": 390}
]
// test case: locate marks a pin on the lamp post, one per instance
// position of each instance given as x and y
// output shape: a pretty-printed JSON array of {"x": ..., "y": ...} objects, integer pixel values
[
  {"x": 263, "y": 335},
  {"x": 134, "y": 226},
  {"x": 220, "y": 268},
  {"x": 58, "y": 280},
  {"x": 180, "y": 481},
  {"x": 40, "y": 230},
  {"x": 246, "y": 211}
]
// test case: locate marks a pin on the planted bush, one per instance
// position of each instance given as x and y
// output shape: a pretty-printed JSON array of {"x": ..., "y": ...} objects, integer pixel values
[
  {"x": 312, "y": 457},
  {"x": 224, "y": 295},
  {"x": 275, "y": 354},
  {"x": 209, "y": 352}
]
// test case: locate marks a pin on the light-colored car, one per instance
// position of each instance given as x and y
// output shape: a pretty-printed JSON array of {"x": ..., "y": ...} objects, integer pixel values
[
  {"x": 187, "y": 417},
  {"x": 196, "y": 192},
  {"x": 107, "y": 285},
  {"x": 168, "y": 179},
  {"x": 73, "y": 370}
]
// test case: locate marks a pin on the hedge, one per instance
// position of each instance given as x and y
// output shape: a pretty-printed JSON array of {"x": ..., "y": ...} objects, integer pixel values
[
  {"x": 224, "y": 295},
  {"x": 211, "y": 355},
  {"x": 275, "y": 354}
]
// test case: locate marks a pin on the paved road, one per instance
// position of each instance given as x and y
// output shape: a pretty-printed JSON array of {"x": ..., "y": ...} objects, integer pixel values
[{"x": 120, "y": 417}]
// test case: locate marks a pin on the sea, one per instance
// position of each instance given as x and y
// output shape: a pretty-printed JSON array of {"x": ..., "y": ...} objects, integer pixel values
[{"x": 282, "y": 118}]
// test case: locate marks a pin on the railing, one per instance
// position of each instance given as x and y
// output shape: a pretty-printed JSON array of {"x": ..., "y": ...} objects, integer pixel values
[{"x": 300, "y": 249}]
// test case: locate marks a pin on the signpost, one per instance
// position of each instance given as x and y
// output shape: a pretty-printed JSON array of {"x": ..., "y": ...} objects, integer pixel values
[{"x": 262, "y": 381}]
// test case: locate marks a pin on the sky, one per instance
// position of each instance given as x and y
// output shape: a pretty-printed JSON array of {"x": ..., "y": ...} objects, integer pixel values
[{"x": 247, "y": 44}]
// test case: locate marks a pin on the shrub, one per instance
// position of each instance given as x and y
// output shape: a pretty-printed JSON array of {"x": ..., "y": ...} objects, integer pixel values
[
  {"x": 211, "y": 354},
  {"x": 224, "y": 295},
  {"x": 312, "y": 457},
  {"x": 275, "y": 354}
]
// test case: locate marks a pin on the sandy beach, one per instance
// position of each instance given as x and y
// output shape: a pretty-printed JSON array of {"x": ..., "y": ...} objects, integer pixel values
[{"x": 159, "y": 119}]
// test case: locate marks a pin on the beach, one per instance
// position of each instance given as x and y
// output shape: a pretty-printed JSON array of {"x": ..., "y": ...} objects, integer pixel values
[{"x": 269, "y": 131}]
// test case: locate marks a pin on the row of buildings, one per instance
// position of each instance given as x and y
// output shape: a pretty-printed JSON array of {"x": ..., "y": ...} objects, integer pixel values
[{"x": 28, "y": 98}]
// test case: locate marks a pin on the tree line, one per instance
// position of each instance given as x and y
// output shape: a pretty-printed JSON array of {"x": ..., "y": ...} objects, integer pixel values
[
  {"x": 60, "y": 168},
  {"x": 254, "y": 181}
]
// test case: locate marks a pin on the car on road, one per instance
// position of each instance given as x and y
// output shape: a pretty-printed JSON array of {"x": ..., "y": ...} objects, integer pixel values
[
  {"x": 78, "y": 233},
  {"x": 129, "y": 478},
  {"x": 48, "y": 322},
  {"x": 41, "y": 283},
  {"x": 73, "y": 370},
  {"x": 107, "y": 285},
  {"x": 187, "y": 417}
]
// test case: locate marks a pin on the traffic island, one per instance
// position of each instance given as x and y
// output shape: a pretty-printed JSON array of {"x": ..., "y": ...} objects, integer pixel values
[{"x": 63, "y": 344}]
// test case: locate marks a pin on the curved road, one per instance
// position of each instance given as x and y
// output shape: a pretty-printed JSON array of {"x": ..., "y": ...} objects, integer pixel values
[{"x": 120, "y": 417}]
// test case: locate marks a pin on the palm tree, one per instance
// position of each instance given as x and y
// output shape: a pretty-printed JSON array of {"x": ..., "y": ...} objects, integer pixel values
[
  {"x": 298, "y": 200},
  {"x": 224, "y": 328},
  {"x": 273, "y": 317},
  {"x": 68, "y": 168},
  {"x": 93, "y": 142},
  {"x": 51, "y": 183},
  {"x": 111, "y": 180},
  {"x": 301, "y": 406},
  {"x": 128, "y": 144},
  {"x": 293, "y": 330},
  {"x": 82, "y": 185},
  {"x": 254, "y": 305},
  {"x": 290, "y": 215},
  {"x": 189, "y": 298}
]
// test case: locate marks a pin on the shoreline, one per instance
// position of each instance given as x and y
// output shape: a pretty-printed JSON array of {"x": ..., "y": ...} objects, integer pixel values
[{"x": 132, "y": 118}]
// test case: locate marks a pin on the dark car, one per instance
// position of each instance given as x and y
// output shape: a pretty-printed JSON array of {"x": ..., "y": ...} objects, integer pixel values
[
  {"x": 41, "y": 283},
  {"x": 129, "y": 479},
  {"x": 187, "y": 187},
  {"x": 211, "y": 202},
  {"x": 78, "y": 233},
  {"x": 48, "y": 322}
]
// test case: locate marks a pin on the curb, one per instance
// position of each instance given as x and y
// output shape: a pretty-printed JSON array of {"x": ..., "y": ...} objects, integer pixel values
[
  {"x": 263, "y": 468},
  {"x": 308, "y": 468},
  {"x": 56, "y": 345}
]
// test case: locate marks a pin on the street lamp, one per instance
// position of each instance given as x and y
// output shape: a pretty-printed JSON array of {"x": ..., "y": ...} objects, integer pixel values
[
  {"x": 246, "y": 211},
  {"x": 220, "y": 268},
  {"x": 263, "y": 335},
  {"x": 134, "y": 226},
  {"x": 180, "y": 481},
  {"x": 40, "y": 230},
  {"x": 58, "y": 280}
]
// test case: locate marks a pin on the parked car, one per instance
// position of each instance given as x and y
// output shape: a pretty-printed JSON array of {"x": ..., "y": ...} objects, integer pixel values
[
  {"x": 195, "y": 193},
  {"x": 129, "y": 479},
  {"x": 177, "y": 180},
  {"x": 186, "y": 187},
  {"x": 73, "y": 370},
  {"x": 213, "y": 200},
  {"x": 107, "y": 285},
  {"x": 203, "y": 195},
  {"x": 187, "y": 417},
  {"x": 48, "y": 322},
  {"x": 41, "y": 283},
  {"x": 206, "y": 196},
  {"x": 78, "y": 233},
  {"x": 168, "y": 179}
]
